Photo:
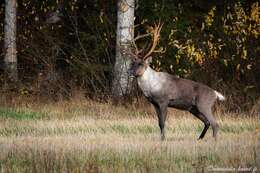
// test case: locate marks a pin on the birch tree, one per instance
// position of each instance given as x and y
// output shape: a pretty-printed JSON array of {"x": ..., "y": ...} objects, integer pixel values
[
  {"x": 10, "y": 39},
  {"x": 125, "y": 33}
]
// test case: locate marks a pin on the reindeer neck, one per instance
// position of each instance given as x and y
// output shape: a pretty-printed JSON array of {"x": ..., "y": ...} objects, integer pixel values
[
  {"x": 150, "y": 81},
  {"x": 148, "y": 74}
]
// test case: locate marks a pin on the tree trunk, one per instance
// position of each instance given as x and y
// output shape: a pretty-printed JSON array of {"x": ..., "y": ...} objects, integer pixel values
[
  {"x": 10, "y": 40},
  {"x": 125, "y": 34}
]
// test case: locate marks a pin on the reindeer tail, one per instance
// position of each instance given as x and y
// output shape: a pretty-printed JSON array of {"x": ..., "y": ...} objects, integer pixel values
[{"x": 220, "y": 96}]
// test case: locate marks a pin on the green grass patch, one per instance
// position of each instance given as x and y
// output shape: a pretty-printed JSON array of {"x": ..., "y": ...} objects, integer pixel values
[
  {"x": 19, "y": 114},
  {"x": 239, "y": 128}
]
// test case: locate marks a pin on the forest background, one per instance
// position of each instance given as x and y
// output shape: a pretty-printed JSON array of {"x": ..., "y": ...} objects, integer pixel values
[{"x": 213, "y": 42}]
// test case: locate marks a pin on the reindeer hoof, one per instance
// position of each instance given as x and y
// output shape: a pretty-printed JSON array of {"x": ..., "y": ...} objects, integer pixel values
[
  {"x": 162, "y": 138},
  {"x": 200, "y": 138}
]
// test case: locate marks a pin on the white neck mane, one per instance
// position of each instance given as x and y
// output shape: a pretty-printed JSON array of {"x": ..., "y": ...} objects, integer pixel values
[{"x": 150, "y": 82}]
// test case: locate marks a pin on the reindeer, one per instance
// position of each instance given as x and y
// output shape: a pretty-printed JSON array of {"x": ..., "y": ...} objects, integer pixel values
[{"x": 164, "y": 90}]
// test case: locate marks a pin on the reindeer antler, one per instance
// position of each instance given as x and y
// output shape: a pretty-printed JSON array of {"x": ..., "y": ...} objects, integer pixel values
[
  {"x": 154, "y": 32},
  {"x": 137, "y": 51}
]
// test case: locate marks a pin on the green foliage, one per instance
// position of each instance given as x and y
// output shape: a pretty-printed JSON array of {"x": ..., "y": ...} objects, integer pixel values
[
  {"x": 242, "y": 29},
  {"x": 194, "y": 43}
]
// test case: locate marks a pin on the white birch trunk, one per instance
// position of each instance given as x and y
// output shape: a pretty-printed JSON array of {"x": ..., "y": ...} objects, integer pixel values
[
  {"x": 125, "y": 33},
  {"x": 10, "y": 39}
]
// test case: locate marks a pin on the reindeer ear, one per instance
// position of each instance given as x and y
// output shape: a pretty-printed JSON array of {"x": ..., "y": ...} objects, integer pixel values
[{"x": 149, "y": 60}]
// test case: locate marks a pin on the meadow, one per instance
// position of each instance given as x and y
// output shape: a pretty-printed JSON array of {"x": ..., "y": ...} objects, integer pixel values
[{"x": 88, "y": 136}]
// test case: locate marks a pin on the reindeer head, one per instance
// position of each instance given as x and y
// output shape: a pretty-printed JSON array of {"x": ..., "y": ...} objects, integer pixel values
[
  {"x": 138, "y": 66},
  {"x": 140, "y": 59}
]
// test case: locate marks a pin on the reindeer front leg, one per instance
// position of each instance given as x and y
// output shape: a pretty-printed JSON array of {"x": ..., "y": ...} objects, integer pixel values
[{"x": 161, "y": 110}]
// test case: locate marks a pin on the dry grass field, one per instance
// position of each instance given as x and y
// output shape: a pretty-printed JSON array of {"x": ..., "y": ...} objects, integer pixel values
[{"x": 86, "y": 136}]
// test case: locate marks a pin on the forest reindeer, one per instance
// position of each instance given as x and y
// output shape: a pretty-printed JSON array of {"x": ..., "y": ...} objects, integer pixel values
[{"x": 164, "y": 90}]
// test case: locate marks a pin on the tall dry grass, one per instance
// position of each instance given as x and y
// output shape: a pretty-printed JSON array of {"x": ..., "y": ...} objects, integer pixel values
[{"x": 86, "y": 136}]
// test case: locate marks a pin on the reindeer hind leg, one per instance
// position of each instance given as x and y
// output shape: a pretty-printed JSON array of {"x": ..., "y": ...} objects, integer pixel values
[
  {"x": 203, "y": 118},
  {"x": 208, "y": 114}
]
